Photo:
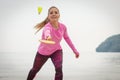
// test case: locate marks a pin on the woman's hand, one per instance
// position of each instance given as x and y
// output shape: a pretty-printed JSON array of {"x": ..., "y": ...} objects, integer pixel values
[
  {"x": 77, "y": 55},
  {"x": 49, "y": 38}
]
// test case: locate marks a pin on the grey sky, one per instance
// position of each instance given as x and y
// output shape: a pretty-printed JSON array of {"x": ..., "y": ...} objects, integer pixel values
[{"x": 92, "y": 20}]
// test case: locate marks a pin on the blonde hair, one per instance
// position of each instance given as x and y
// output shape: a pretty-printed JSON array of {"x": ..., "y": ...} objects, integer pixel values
[{"x": 40, "y": 25}]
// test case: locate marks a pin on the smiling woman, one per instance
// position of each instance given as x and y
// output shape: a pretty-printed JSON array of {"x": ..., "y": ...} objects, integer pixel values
[{"x": 53, "y": 30}]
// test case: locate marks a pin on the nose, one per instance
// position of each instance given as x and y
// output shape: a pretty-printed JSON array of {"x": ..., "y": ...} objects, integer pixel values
[{"x": 53, "y": 14}]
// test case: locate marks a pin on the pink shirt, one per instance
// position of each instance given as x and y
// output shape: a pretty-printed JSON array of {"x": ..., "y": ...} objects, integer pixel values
[{"x": 57, "y": 35}]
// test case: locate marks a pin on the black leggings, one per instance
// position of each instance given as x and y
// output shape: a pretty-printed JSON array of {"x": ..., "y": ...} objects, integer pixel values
[{"x": 56, "y": 58}]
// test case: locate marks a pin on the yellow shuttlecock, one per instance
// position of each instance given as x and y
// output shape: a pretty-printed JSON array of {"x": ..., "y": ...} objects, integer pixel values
[{"x": 39, "y": 9}]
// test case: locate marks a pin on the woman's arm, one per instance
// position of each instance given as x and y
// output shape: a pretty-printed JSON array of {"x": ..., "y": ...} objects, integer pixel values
[
  {"x": 69, "y": 42},
  {"x": 47, "y": 34}
]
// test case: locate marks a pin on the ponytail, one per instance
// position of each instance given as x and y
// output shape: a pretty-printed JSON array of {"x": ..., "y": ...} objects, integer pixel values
[{"x": 40, "y": 25}]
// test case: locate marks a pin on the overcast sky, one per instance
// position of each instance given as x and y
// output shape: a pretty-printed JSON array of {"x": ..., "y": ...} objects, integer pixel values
[{"x": 89, "y": 22}]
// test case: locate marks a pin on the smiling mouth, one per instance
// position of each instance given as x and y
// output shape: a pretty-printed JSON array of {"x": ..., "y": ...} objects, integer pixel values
[{"x": 54, "y": 17}]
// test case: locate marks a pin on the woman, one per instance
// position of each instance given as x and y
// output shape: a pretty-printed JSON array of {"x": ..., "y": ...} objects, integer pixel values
[{"x": 53, "y": 30}]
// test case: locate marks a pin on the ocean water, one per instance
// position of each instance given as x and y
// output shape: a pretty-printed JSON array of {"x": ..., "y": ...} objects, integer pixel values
[{"x": 89, "y": 66}]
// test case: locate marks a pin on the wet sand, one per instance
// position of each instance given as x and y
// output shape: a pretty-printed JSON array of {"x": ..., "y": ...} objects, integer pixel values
[{"x": 90, "y": 66}]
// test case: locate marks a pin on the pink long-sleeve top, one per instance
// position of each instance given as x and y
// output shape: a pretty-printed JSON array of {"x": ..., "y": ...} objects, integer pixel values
[{"x": 57, "y": 35}]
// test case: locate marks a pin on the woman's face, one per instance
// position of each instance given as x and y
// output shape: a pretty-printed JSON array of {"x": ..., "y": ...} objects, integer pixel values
[{"x": 53, "y": 15}]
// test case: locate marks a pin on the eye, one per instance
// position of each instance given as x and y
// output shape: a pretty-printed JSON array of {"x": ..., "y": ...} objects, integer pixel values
[
  {"x": 56, "y": 12},
  {"x": 51, "y": 12}
]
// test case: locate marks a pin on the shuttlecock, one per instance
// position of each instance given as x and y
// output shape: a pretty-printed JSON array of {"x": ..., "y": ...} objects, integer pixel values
[{"x": 39, "y": 9}]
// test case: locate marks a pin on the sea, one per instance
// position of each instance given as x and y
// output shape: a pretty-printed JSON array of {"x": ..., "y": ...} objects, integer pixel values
[{"x": 89, "y": 66}]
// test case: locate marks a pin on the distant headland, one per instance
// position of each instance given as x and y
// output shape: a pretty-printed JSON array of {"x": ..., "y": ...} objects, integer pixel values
[{"x": 111, "y": 44}]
